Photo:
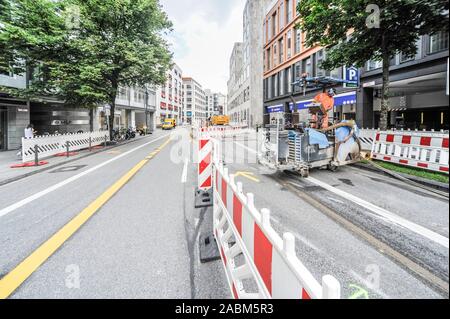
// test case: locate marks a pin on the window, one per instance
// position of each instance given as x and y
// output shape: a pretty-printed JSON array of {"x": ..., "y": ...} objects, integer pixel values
[
  {"x": 269, "y": 28},
  {"x": 274, "y": 25},
  {"x": 281, "y": 15},
  {"x": 373, "y": 65},
  {"x": 319, "y": 60},
  {"x": 297, "y": 71},
  {"x": 289, "y": 44},
  {"x": 307, "y": 66},
  {"x": 298, "y": 41},
  {"x": 269, "y": 59},
  {"x": 281, "y": 50},
  {"x": 288, "y": 11},
  {"x": 282, "y": 82},
  {"x": 275, "y": 85},
  {"x": 438, "y": 42},
  {"x": 275, "y": 54},
  {"x": 288, "y": 72}
]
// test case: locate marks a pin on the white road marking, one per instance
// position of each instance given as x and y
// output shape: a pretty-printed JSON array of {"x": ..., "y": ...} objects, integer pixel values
[
  {"x": 437, "y": 238},
  {"x": 72, "y": 179},
  {"x": 246, "y": 147},
  {"x": 184, "y": 174}
]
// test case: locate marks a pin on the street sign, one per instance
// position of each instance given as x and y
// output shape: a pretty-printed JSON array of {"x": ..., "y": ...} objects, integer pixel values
[
  {"x": 107, "y": 110},
  {"x": 351, "y": 75}
]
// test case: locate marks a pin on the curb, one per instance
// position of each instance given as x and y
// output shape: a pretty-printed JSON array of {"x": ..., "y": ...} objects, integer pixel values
[
  {"x": 47, "y": 168},
  {"x": 423, "y": 181}
]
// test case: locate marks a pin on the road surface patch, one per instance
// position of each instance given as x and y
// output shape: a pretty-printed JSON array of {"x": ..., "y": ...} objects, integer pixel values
[{"x": 26, "y": 268}]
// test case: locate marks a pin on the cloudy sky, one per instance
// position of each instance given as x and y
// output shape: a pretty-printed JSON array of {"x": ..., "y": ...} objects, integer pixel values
[{"x": 203, "y": 38}]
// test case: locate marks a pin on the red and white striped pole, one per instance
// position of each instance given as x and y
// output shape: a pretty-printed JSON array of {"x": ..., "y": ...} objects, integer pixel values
[{"x": 205, "y": 164}]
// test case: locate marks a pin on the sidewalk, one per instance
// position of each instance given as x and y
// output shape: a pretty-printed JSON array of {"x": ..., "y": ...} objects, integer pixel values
[{"x": 9, "y": 158}]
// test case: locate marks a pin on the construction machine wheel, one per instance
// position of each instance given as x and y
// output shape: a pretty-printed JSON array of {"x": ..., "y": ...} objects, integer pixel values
[
  {"x": 304, "y": 172},
  {"x": 332, "y": 167}
]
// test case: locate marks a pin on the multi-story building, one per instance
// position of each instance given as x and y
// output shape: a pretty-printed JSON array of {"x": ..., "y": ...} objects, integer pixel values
[
  {"x": 209, "y": 103},
  {"x": 170, "y": 96},
  {"x": 245, "y": 90},
  {"x": 194, "y": 104},
  {"x": 286, "y": 59},
  {"x": 14, "y": 113},
  {"x": 135, "y": 107},
  {"x": 417, "y": 83},
  {"x": 216, "y": 103}
]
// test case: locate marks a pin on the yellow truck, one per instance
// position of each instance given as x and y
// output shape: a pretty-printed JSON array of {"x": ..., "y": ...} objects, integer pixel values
[
  {"x": 220, "y": 120},
  {"x": 169, "y": 124}
]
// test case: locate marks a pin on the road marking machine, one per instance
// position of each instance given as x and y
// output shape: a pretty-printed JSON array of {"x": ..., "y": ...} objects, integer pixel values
[{"x": 287, "y": 143}]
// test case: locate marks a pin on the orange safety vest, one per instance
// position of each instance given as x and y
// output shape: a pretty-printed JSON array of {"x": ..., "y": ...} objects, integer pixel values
[{"x": 326, "y": 101}]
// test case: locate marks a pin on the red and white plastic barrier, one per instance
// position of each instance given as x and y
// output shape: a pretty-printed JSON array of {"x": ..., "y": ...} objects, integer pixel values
[
  {"x": 421, "y": 150},
  {"x": 252, "y": 250},
  {"x": 220, "y": 131},
  {"x": 205, "y": 164}
]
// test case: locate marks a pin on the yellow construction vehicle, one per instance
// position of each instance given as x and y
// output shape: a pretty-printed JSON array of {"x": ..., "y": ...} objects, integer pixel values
[{"x": 217, "y": 120}]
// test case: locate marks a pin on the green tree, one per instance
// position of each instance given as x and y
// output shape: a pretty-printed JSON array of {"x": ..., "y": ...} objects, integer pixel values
[
  {"x": 84, "y": 50},
  {"x": 356, "y": 31},
  {"x": 113, "y": 43},
  {"x": 32, "y": 38}
]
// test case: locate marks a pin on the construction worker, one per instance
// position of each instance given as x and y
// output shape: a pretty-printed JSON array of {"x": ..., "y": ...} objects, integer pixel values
[{"x": 326, "y": 101}]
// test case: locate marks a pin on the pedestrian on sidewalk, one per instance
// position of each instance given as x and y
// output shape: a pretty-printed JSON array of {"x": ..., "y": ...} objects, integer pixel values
[{"x": 29, "y": 131}]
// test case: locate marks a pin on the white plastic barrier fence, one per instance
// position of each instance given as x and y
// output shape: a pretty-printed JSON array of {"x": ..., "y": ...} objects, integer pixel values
[
  {"x": 204, "y": 164},
  {"x": 51, "y": 145},
  {"x": 427, "y": 150},
  {"x": 259, "y": 264}
]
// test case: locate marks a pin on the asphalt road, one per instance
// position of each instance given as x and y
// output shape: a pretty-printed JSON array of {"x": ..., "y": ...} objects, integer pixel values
[
  {"x": 407, "y": 221},
  {"x": 142, "y": 243}
]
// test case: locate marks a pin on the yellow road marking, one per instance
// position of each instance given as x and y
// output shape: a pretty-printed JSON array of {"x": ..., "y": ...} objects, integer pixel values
[
  {"x": 18, "y": 275},
  {"x": 247, "y": 175}
]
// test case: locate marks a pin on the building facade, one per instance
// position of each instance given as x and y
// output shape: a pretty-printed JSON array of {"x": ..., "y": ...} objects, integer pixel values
[
  {"x": 418, "y": 84},
  {"x": 287, "y": 59},
  {"x": 245, "y": 88},
  {"x": 135, "y": 108},
  {"x": 14, "y": 113},
  {"x": 170, "y": 97},
  {"x": 194, "y": 103},
  {"x": 419, "y": 88},
  {"x": 216, "y": 103}
]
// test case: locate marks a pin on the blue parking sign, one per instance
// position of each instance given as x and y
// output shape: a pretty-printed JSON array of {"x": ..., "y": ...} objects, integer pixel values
[{"x": 352, "y": 76}]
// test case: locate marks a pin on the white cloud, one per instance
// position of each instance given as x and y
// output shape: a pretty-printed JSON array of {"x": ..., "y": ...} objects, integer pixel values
[{"x": 203, "y": 38}]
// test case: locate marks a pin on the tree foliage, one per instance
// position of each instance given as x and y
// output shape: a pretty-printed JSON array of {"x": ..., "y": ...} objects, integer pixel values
[
  {"x": 356, "y": 31},
  {"x": 401, "y": 23},
  {"x": 82, "y": 51}
]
